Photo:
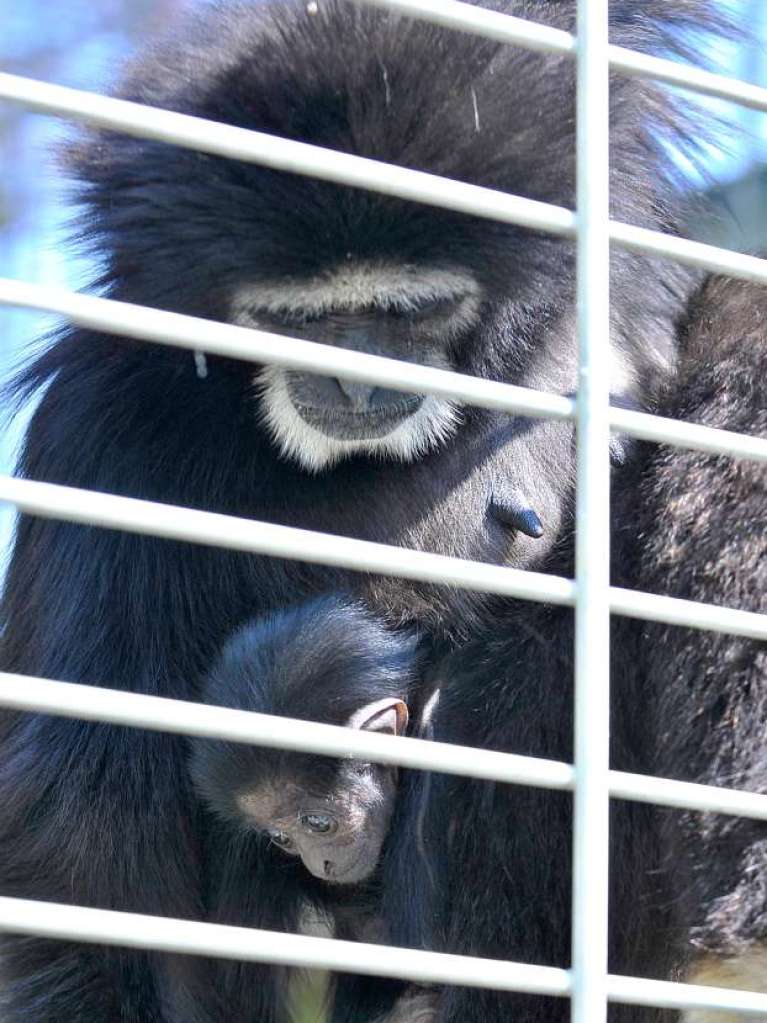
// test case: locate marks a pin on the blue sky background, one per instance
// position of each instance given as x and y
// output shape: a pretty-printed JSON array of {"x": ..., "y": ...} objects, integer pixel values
[{"x": 81, "y": 44}]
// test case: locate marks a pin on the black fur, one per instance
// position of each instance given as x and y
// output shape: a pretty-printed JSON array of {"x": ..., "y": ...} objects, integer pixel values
[
  {"x": 710, "y": 544},
  {"x": 102, "y": 815},
  {"x": 320, "y": 661},
  {"x": 687, "y": 889}
]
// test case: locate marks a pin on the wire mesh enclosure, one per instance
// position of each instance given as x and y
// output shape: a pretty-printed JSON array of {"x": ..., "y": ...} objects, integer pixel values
[{"x": 590, "y": 780}]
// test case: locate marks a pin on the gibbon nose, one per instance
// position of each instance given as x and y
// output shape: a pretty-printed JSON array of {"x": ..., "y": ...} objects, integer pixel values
[
  {"x": 369, "y": 398},
  {"x": 329, "y": 867},
  {"x": 359, "y": 396}
]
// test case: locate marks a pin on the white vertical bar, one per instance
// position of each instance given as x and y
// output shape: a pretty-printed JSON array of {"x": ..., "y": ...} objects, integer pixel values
[{"x": 592, "y": 614}]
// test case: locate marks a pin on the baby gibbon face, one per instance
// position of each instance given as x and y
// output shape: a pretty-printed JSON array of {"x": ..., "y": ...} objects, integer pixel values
[{"x": 338, "y": 833}]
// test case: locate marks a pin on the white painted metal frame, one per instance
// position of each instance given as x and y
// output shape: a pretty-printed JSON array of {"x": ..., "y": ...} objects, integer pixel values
[
  {"x": 592, "y": 783},
  {"x": 591, "y": 796}
]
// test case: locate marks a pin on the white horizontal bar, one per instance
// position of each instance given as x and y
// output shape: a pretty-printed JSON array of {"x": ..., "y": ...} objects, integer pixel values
[
  {"x": 534, "y": 36},
  {"x": 224, "y": 339},
  {"x": 190, "y": 937},
  {"x": 706, "y": 257},
  {"x": 284, "y": 154},
  {"x": 503, "y": 28},
  {"x": 689, "y": 613},
  {"x": 196, "y": 334},
  {"x": 174, "y": 522},
  {"x": 692, "y": 436},
  {"x": 137, "y": 710},
  {"x": 666, "y": 994},
  {"x": 685, "y": 795},
  {"x": 356, "y": 172},
  {"x": 708, "y": 83},
  {"x": 171, "y": 521}
]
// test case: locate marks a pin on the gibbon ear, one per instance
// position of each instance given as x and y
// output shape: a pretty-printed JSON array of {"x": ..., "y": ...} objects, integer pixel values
[{"x": 389, "y": 716}]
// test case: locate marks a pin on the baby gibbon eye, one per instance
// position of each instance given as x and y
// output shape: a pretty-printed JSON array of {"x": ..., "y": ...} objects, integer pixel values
[
  {"x": 281, "y": 839},
  {"x": 318, "y": 823}
]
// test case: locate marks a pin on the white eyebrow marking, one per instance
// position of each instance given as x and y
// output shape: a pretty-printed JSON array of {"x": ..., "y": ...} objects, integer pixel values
[{"x": 354, "y": 288}]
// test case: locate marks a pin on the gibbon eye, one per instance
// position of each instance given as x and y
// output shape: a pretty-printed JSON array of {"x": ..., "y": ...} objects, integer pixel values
[
  {"x": 423, "y": 310},
  {"x": 319, "y": 823},
  {"x": 285, "y": 319},
  {"x": 281, "y": 839}
]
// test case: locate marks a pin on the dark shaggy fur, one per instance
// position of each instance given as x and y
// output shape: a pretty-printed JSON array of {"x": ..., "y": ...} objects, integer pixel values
[
  {"x": 319, "y": 661},
  {"x": 708, "y": 692},
  {"x": 687, "y": 889},
  {"x": 101, "y": 815}
]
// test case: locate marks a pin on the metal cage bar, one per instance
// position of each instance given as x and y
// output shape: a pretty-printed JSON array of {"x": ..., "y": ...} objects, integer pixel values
[
  {"x": 186, "y": 937},
  {"x": 355, "y": 171},
  {"x": 591, "y": 799},
  {"x": 175, "y": 329},
  {"x": 533, "y": 36},
  {"x": 51, "y": 500},
  {"x": 138, "y": 710}
]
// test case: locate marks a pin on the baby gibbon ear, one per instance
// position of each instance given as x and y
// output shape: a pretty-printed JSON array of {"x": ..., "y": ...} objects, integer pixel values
[{"x": 389, "y": 716}]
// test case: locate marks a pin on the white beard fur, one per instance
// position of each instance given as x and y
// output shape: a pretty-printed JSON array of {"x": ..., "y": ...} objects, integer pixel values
[{"x": 433, "y": 423}]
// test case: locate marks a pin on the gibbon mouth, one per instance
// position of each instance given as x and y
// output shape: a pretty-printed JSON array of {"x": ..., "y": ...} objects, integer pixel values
[
  {"x": 346, "y": 424},
  {"x": 352, "y": 875}
]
